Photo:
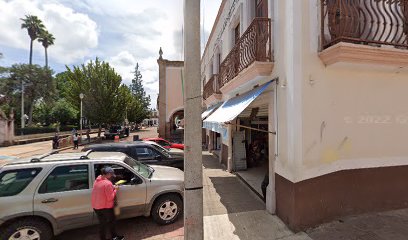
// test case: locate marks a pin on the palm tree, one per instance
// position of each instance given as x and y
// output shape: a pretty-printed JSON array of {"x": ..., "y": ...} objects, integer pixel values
[
  {"x": 34, "y": 26},
  {"x": 47, "y": 39}
]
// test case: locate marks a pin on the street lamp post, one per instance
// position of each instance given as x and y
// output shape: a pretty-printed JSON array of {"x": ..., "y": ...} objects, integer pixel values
[
  {"x": 22, "y": 104},
  {"x": 81, "y": 96}
]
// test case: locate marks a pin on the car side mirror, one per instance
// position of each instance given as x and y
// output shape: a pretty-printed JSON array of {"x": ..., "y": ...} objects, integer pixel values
[
  {"x": 158, "y": 157},
  {"x": 136, "y": 181}
]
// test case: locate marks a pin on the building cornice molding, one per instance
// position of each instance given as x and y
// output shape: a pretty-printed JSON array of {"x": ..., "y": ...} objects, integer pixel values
[
  {"x": 362, "y": 54},
  {"x": 214, "y": 26},
  {"x": 169, "y": 63}
]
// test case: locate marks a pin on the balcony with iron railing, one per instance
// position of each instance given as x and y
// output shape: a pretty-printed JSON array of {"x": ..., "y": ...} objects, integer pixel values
[
  {"x": 251, "y": 50},
  {"x": 211, "y": 90},
  {"x": 366, "y": 31}
]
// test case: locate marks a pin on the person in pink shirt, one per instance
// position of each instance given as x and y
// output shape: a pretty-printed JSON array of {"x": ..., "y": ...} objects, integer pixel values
[{"x": 103, "y": 202}]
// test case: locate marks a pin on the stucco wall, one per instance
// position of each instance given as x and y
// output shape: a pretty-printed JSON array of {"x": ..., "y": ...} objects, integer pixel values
[
  {"x": 336, "y": 117},
  {"x": 174, "y": 91},
  {"x": 355, "y": 115}
]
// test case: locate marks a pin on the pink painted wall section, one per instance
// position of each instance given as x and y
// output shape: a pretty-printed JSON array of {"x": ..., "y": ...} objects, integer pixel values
[{"x": 174, "y": 91}]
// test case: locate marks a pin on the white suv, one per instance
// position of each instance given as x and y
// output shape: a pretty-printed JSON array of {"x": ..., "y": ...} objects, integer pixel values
[{"x": 41, "y": 197}]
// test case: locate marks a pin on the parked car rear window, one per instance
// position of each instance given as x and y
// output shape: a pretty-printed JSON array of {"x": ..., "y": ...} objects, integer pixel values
[
  {"x": 13, "y": 182},
  {"x": 66, "y": 178}
]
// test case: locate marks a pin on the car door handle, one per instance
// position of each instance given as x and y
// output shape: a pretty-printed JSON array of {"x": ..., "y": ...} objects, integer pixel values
[{"x": 50, "y": 200}]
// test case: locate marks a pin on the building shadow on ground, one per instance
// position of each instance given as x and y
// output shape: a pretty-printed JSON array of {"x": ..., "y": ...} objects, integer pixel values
[
  {"x": 134, "y": 228},
  {"x": 233, "y": 211},
  {"x": 213, "y": 163}
]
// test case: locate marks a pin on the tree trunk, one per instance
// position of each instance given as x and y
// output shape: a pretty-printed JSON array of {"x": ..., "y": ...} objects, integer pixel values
[
  {"x": 46, "y": 58},
  {"x": 31, "y": 52},
  {"x": 30, "y": 114}
]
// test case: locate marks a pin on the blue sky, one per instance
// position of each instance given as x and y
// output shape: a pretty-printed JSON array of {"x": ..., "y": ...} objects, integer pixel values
[{"x": 122, "y": 32}]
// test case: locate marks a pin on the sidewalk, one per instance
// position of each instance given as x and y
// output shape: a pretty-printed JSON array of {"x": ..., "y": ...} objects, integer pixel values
[
  {"x": 232, "y": 211},
  {"x": 390, "y": 225}
]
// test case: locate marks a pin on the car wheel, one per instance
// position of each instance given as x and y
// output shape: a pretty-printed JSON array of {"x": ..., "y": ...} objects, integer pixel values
[
  {"x": 167, "y": 209},
  {"x": 27, "y": 229}
]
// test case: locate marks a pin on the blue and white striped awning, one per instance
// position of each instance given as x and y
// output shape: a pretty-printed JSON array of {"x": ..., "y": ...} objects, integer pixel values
[{"x": 230, "y": 109}]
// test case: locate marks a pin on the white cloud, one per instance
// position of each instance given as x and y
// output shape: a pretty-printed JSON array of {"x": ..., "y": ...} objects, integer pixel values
[
  {"x": 76, "y": 34},
  {"x": 122, "y": 32},
  {"x": 124, "y": 64}
]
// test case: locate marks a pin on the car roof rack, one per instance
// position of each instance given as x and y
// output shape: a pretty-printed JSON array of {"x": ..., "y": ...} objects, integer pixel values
[
  {"x": 38, "y": 159},
  {"x": 85, "y": 156}
]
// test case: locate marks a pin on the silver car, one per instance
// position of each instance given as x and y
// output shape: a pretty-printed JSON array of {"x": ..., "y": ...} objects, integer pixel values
[{"x": 44, "y": 196}]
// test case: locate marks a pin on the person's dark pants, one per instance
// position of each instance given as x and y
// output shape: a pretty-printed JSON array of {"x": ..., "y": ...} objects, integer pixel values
[
  {"x": 75, "y": 144},
  {"x": 107, "y": 221}
]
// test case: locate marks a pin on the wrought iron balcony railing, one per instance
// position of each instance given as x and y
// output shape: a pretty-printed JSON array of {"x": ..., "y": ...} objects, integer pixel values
[
  {"x": 253, "y": 45},
  {"x": 211, "y": 87},
  {"x": 383, "y": 22}
]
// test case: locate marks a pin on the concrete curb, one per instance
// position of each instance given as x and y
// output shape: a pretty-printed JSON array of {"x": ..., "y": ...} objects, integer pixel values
[
  {"x": 42, "y": 139},
  {"x": 70, "y": 147},
  {"x": 248, "y": 185}
]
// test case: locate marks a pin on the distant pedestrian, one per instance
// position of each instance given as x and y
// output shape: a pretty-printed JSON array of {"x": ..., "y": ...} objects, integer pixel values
[
  {"x": 103, "y": 198},
  {"x": 76, "y": 140},
  {"x": 88, "y": 136},
  {"x": 55, "y": 141},
  {"x": 127, "y": 131}
]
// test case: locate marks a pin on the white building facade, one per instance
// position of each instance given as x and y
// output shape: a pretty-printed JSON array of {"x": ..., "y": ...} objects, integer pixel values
[{"x": 310, "y": 96}]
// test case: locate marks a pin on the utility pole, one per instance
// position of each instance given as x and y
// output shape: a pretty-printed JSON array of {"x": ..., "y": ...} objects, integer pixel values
[{"x": 193, "y": 170}]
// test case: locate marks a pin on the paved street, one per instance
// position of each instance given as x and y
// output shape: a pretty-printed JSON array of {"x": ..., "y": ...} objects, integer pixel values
[
  {"x": 133, "y": 229},
  {"x": 390, "y": 225},
  {"x": 233, "y": 211},
  {"x": 27, "y": 150}
]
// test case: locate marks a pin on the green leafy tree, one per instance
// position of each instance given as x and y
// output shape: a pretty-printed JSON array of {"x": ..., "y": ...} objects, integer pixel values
[
  {"x": 104, "y": 100},
  {"x": 38, "y": 85},
  {"x": 46, "y": 39},
  {"x": 5, "y": 101},
  {"x": 62, "y": 84},
  {"x": 42, "y": 113},
  {"x": 34, "y": 27},
  {"x": 141, "y": 101},
  {"x": 64, "y": 113}
]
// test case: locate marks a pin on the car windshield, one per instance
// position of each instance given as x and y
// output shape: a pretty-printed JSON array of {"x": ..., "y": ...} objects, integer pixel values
[
  {"x": 142, "y": 169},
  {"x": 161, "y": 149},
  {"x": 164, "y": 143}
]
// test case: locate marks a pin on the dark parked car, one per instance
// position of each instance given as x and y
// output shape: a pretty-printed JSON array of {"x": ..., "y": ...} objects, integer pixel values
[
  {"x": 143, "y": 152},
  {"x": 116, "y": 131}
]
